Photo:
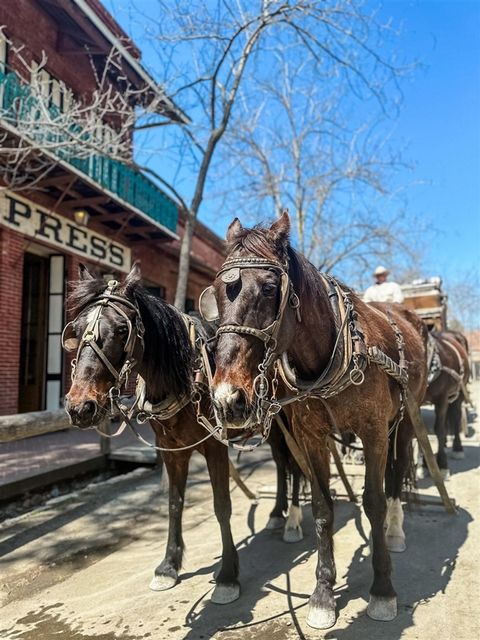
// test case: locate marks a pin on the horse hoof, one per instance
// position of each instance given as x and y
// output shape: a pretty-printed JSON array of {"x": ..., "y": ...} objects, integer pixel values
[
  {"x": 422, "y": 472},
  {"x": 162, "y": 583},
  {"x": 293, "y": 534},
  {"x": 395, "y": 543},
  {"x": 458, "y": 455},
  {"x": 319, "y": 618},
  {"x": 445, "y": 473},
  {"x": 275, "y": 522},
  {"x": 383, "y": 609},
  {"x": 225, "y": 593}
]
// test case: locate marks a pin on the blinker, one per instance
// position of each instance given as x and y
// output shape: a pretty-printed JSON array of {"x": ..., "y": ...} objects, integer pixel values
[
  {"x": 70, "y": 344},
  {"x": 207, "y": 304},
  {"x": 232, "y": 275}
]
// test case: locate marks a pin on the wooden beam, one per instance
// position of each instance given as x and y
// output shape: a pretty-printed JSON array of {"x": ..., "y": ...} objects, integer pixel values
[
  {"x": 86, "y": 202},
  {"x": 26, "y": 425},
  {"x": 425, "y": 446}
]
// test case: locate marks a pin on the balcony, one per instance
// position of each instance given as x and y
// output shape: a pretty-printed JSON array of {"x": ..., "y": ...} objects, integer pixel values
[{"x": 130, "y": 187}]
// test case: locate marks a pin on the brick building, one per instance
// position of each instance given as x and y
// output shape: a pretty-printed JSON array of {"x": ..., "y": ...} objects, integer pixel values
[{"x": 43, "y": 236}]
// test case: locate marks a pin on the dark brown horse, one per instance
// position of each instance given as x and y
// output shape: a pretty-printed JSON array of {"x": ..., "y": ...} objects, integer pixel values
[
  {"x": 277, "y": 311},
  {"x": 449, "y": 372},
  {"x": 166, "y": 363}
]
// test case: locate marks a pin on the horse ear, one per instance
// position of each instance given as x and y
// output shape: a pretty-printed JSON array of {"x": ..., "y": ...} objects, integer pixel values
[
  {"x": 234, "y": 230},
  {"x": 280, "y": 229},
  {"x": 84, "y": 273},
  {"x": 134, "y": 276}
]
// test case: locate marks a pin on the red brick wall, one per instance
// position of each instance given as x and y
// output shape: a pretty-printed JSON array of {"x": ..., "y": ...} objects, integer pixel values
[
  {"x": 27, "y": 24},
  {"x": 11, "y": 283}
]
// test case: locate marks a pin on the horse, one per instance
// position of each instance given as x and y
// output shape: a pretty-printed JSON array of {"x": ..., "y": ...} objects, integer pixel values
[
  {"x": 449, "y": 372},
  {"x": 141, "y": 332},
  {"x": 342, "y": 366}
]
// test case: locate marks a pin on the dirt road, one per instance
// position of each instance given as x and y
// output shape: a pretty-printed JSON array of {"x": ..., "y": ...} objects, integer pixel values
[{"x": 79, "y": 568}]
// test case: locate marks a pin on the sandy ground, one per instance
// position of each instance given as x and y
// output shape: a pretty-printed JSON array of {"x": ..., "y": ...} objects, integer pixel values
[{"x": 79, "y": 568}]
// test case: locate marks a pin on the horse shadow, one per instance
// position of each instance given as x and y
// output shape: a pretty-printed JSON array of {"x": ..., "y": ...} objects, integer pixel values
[
  {"x": 264, "y": 558},
  {"x": 434, "y": 539}
]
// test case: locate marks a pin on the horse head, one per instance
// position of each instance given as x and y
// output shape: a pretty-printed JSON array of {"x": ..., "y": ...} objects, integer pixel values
[
  {"x": 256, "y": 306},
  {"x": 107, "y": 336}
]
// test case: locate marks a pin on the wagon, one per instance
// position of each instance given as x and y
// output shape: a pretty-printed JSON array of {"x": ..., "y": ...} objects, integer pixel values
[{"x": 427, "y": 299}]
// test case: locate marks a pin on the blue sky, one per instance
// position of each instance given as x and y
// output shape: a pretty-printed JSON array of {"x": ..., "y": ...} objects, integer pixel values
[{"x": 438, "y": 124}]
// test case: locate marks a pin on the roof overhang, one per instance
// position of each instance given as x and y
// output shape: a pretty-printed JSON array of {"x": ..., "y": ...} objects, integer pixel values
[{"x": 78, "y": 11}]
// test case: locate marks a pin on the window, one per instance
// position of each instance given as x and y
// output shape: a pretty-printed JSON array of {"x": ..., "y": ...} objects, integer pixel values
[{"x": 157, "y": 290}]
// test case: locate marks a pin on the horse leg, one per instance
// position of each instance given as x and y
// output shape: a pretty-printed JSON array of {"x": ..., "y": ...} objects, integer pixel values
[
  {"x": 166, "y": 574},
  {"x": 227, "y": 587},
  {"x": 441, "y": 409},
  {"x": 454, "y": 417},
  {"x": 293, "y": 527},
  {"x": 280, "y": 457},
  {"x": 321, "y": 606},
  {"x": 383, "y": 599},
  {"x": 396, "y": 470}
]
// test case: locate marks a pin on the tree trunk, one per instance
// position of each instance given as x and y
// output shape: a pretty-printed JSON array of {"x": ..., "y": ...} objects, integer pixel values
[{"x": 184, "y": 263}]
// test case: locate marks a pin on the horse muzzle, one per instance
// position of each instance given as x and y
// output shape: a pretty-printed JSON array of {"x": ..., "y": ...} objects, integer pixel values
[
  {"x": 84, "y": 414},
  {"x": 231, "y": 406}
]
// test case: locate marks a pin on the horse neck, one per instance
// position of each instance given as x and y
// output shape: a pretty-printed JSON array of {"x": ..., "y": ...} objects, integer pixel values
[
  {"x": 314, "y": 336},
  {"x": 164, "y": 375}
]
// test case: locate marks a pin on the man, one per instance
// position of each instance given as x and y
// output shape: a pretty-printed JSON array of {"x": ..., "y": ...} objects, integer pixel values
[{"x": 383, "y": 291}]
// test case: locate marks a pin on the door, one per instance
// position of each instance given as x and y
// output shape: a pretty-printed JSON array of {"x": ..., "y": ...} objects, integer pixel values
[{"x": 34, "y": 333}]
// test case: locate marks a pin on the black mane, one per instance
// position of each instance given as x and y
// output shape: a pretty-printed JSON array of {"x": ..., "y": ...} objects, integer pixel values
[{"x": 168, "y": 355}]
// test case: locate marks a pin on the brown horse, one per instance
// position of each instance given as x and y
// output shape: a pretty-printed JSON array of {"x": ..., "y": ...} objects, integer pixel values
[
  {"x": 449, "y": 372},
  {"x": 276, "y": 311},
  {"x": 165, "y": 361}
]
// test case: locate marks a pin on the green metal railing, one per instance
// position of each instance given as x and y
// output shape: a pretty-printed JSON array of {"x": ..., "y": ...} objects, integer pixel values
[{"x": 19, "y": 105}]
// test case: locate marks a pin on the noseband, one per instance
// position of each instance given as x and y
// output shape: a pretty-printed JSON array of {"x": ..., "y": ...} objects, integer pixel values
[{"x": 92, "y": 333}]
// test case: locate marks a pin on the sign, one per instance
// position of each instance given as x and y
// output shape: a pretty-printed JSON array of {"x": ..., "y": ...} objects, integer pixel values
[{"x": 37, "y": 222}]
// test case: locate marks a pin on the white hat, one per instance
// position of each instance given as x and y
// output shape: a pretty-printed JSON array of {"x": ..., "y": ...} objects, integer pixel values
[{"x": 380, "y": 271}]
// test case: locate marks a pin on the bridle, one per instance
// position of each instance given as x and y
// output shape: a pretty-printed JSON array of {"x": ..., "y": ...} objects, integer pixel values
[
  {"x": 161, "y": 411},
  {"x": 265, "y": 403},
  {"x": 91, "y": 336}
]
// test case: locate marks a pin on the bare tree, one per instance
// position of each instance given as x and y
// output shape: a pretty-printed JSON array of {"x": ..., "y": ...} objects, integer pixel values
[
  {"x": 302, "y": 149},
  {"x": 464, "y": 300},
  {"x": 43, "y": 121},
  {"x": 211, "y": 52}
]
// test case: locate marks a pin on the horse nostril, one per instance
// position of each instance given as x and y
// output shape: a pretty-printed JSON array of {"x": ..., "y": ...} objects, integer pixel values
[{"x": 87, "y": 409}]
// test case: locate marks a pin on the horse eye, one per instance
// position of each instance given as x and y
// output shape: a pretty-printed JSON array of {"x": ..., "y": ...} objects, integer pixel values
[
  {"x": 122, "y": 330},
  {"x": 268, "y": 289}
]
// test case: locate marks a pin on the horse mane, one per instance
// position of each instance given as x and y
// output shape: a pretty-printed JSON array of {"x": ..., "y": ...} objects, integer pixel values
[
  {"x": 168, "y": 355},
  {"x": 259, "y": 241}
]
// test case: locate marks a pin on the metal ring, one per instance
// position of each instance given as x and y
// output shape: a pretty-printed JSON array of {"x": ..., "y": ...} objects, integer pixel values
[{"x": 357, "y": 377}]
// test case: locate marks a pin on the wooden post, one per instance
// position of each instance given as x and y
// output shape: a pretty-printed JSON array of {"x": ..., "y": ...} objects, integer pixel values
[
  {"x": 105, "y": 445},
  {"x": 424, "y": 443},
  {"x": 236, "y": 477},
  {"x": 341, "y": 471}
]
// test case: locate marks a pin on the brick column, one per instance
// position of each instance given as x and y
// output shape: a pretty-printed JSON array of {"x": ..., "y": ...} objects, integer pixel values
[{"x": 11, "y": 286}]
